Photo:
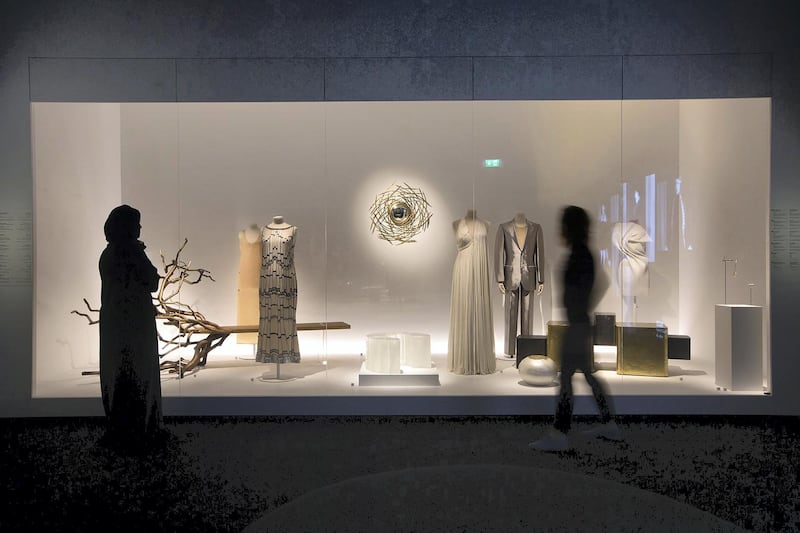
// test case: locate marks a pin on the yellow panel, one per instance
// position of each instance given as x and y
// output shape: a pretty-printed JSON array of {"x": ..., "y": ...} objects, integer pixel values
[
  {"x": 556, "y": 331},
  {"x": 642, "y": 349}
]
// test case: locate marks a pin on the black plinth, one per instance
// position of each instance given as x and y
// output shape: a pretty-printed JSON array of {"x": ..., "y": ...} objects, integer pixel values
[
  {"x": 604, "y": 329},
  {"x": 679, "y": 347},
  {"x": 530, "y": 345}
]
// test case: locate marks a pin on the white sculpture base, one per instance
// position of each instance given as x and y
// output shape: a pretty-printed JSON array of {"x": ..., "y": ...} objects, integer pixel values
[
  {"x": 738, "y": 347},
  {"x": 407, "y": 377}
]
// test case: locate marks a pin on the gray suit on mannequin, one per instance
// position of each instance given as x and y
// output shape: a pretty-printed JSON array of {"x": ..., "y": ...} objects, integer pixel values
[{"x": 519, "y": 267}]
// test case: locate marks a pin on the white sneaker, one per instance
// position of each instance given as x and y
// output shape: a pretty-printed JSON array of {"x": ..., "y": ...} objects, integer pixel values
[
  {"x": 553, "y": 441},
  {"x": 609, "y": 430}
]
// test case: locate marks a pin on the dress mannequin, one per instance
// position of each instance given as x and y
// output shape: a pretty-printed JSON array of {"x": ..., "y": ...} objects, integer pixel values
[
  {"x": 633, "y": 275},
  {"x": 519, "y": 269},
  {"x": 470, "y": 348},
  {"x": 277, "y": 324},
  {"x": 247, "y": 289}
]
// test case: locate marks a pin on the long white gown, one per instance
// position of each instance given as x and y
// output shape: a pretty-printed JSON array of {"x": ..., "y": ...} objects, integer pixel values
[{"x": 470, "y": 349}]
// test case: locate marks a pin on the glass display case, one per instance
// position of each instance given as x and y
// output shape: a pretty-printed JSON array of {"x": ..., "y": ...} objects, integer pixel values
[{"x": 674, "y": 187}]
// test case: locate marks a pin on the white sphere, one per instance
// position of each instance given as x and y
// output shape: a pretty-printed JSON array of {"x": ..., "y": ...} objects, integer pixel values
[{"x": 538, "y": 370}]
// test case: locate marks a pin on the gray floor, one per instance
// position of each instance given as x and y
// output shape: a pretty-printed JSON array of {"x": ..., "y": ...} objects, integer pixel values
[
  {"x": 404, "y": 474},
  {"x": 484, "y": 498}
]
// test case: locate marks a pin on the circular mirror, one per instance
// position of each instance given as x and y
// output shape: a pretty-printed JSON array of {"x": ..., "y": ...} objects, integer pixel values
[{"x": 400, "y": 213}]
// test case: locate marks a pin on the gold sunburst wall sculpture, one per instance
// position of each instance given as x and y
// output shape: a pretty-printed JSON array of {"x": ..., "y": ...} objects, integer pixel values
[{"x": 400, "y": 213}]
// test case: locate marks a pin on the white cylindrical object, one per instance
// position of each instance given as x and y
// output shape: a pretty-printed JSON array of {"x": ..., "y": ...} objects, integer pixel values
[
  {"x": 415, "y": 350},
  {"x": 383, "y": 354}
]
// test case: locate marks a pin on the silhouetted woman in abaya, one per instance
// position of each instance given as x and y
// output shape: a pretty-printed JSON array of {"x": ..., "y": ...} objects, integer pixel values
[{"x": 129, "y": 362}]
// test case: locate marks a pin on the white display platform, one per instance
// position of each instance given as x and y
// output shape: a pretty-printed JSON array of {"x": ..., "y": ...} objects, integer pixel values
[
  {"x": 407, "y": 377},
  {"x": 737, "y": 351},
  {"x": 225, "y": 386}
]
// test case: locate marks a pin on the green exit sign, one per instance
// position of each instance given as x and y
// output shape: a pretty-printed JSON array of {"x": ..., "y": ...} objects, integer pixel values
[{"x": 492, "y": 163}]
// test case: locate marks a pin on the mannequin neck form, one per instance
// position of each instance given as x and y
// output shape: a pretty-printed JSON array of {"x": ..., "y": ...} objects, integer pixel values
[
  {"x": 468, "y": 222},
  {"x": 521, "y": 228},
  {"x": 252, "y": 233},
  {"x": 278, "y": 223}
]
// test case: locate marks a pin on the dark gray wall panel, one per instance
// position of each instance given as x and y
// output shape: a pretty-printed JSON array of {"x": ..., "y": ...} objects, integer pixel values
[
  {"x": 16, "y": 187},
  {"x": 548, "y": 78},
  {"x": 785, "y": 195},
  {"x": 395, "y": 28},
  {"x": 691, "y": 27},
  {"x": 102, "y": 80},
  {"x": 476, "y": 27},
  {"x": 697, "y": 76},
  {"x": 398, "y": 79},
  {"x": 250, "y": 80},
  {"x": 786, "y": 131}
]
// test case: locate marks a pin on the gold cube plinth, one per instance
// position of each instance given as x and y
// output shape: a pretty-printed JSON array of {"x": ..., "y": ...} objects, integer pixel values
[
  {"x": 556, "y": 332},
  {"x": 642, "y": 349}
]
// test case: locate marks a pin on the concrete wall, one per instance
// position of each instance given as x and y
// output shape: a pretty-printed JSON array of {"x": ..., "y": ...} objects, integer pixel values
[{"x": 394, "y": 50}]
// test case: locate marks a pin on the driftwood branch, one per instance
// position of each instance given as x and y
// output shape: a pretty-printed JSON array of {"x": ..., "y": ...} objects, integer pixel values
[
  {"x": 86, "y": 315},
  {"x": 192, "y": 326}
]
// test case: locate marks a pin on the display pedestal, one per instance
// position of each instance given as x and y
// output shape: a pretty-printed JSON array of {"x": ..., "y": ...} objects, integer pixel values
[
  {"x": 642, "y": 349},
  {"x": 679, "y": 347},
  {"x": 556, "y": 332},
  {"x": 530, "y": 345},
  {"x": 604, "y": 334},
  {"x": 407, "y": 377},
  {"x": 737, "y": 351}
]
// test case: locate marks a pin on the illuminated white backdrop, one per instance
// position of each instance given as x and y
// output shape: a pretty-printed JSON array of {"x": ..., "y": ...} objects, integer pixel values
[{"x": 205, "y": 171}]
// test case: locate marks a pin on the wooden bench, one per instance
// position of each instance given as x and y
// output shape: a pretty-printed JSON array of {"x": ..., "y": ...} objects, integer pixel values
[{"x": 217, "y": 335}]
